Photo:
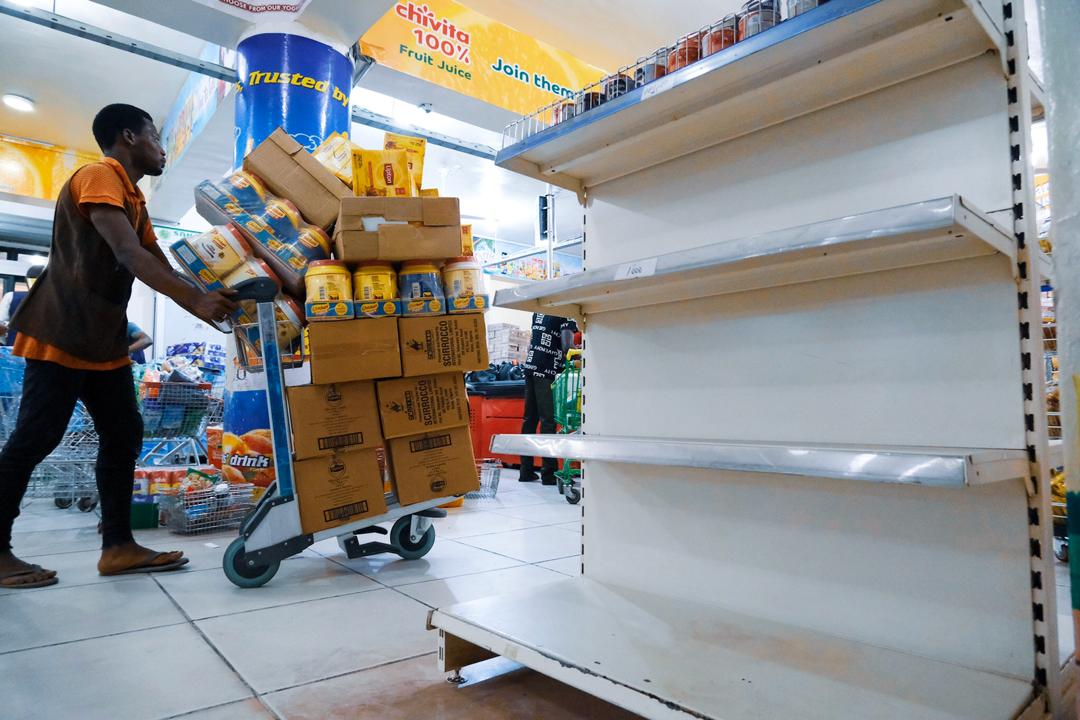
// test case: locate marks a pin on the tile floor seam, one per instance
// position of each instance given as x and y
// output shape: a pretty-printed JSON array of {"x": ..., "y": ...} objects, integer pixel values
[
  {"x": 351, "y": 672},
  {"x": 85, "y": 639},
  {"x": 523, "y": 562},
  {"x": 287, "y": 604},
  {"x": 209, "y": 643},
  {"x": 63, "y": 586},
  {"x": 227, "y": 703},
  {"x": 498, "y": 532}
]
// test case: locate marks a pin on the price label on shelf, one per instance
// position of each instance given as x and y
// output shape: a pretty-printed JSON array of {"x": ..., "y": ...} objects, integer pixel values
[
  {"x": 636, "y": 269},
  {"x": 656, "y": 87}
]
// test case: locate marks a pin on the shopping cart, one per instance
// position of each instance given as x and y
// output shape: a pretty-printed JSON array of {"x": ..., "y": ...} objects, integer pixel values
[
  {"x": 566, "y": 392},
  {"x": 488, "y": 469},
  {"x": 272, "y": 532},
  {"x": 220, "y": 507},
  {"x": 174, "y": 422},
  {"x": 67, "y": 475}
]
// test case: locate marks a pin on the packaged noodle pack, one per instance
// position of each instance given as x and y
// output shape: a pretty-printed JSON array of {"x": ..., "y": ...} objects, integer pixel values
[
  {"x": 382, "y": 173},
  {"x": 335, "y": 154},
  {"x": 414, "y": 148}
]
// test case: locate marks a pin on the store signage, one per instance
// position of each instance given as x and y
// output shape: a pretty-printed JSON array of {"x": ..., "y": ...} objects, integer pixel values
[
  {"x": 450, "y": 45},
  {"x": 37, "y": 170},
  {"x": 259, "y": 10}
]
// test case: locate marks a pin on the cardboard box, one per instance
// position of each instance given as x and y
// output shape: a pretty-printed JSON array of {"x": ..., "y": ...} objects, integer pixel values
[
  {"x": 440, "y": 344},
  {"x": 291, "y": 172},
  {"x": 338, "y": 489},
  {"x": 408, "y": 406},
  {"x": 340, "y": 417},
  {"x": 348, "y": 350},
  {"x": 433, "y": 465},
  {"x": 437, "y": 236}
]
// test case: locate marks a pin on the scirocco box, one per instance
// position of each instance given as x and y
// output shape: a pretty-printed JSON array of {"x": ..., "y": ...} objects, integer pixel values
[
  {"x": 442, "y": 343},
  {"x": 433, "y": 465},
  {"x": 338, "y": 489},
  {"x": 414, "y": 405},
  {"x": 334, "y": 418}
]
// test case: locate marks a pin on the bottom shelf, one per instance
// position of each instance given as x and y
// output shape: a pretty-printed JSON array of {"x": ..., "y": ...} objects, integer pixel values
[{"x": 663, "y": 658}]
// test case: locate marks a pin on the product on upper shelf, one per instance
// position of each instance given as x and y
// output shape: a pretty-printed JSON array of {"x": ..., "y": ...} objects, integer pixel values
[
  {"x": 616, "y": 85},
  {"x": 329, "y": 291},
  {"x": 463, "y": 285},
  {"x": 686, "y": 51},
  {"x": 414, "y": 148},
  {"x": 335, "y": 154},
  {"x": 798, "y": 7},
  {"x": 721, "y": 35},
  {"x": 395, "y": 229},
  {"x": 587, "y": 101},
  {"x": 429, "y": 192},
  {"x": 382, "y": 173},
  {"x": 563, "y": 111},
  {"x": 652, "y": 67},
  {"x": 757, "y": 16},
  {"x": 289, "y": 171},
  {"x": 420, "y": 287}
]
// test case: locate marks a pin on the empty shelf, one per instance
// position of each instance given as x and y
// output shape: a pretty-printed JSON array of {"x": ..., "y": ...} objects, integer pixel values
[
  {"x": 923, "y": 233},
  {"x": 832, "y": 54},
  {"x": 1057, "y": 454},
  {"x": 665, "y": 658},
  {"x": 937, "y": 467}
]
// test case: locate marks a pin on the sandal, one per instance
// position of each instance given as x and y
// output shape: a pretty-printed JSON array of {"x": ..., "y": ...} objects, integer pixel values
[
  {"x": 32, "y": 570},
  {"x": 150, "y": 566}
]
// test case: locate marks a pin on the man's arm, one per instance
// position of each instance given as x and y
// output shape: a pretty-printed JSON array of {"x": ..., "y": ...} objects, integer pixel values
[
  {"x": 141, "y": 341},
  {"x": 114, "y": 226}
]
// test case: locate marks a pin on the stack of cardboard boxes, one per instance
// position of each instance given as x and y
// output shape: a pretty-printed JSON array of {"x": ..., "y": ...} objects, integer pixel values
[
  {"x": 391, "y": 383},
  {"x": 507, "y": 343}
]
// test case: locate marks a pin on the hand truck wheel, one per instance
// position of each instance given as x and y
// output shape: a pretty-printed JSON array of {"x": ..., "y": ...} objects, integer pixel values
[
  {"x": 86, "y": 504},
  {"x": 62, "y": 503},
  {"x": 402, "y": 542},
  {"x": 241, "y": 572},
  {"x": 573, "y": 495}
]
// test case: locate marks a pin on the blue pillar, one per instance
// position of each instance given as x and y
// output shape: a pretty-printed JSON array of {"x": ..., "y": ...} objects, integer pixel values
[{"x": 291, "y": 81}]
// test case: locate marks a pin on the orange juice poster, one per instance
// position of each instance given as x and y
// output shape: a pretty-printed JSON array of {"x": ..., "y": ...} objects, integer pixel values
[
  {"x": 450, "y": 45},
  {"x": 35, "y": 169}
]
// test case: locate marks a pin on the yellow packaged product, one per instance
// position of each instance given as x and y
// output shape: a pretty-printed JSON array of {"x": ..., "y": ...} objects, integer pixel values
[
  {"x": 328, "y": 281},
  {"x": 414, "y": 148},
  {"x": 375, "y": 281},
  {"x": 335, "y": 154},
  {"x": 382, "y": 173},
  {"x": 467, "y": 247},
  {"x": 429, "y": 192}
]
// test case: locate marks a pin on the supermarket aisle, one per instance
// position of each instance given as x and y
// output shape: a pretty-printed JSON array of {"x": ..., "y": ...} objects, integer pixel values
[{"x": 329, "y": 637}]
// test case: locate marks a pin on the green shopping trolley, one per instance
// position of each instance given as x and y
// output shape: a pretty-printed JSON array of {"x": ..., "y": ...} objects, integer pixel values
[{"x": 566, "y": 391}]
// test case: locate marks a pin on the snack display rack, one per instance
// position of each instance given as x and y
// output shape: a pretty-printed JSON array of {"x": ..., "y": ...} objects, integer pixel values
[
  {"x": 272, "y": 531},
  {"x": 840, "y": 482}
]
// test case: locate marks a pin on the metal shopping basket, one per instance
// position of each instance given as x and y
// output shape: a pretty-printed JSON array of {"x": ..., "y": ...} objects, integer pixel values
[
  {"x": 488, "y": 470},
  {"x": 272, "y": 532},
  {"x": 202, "y": 511},
  {"x": 566, "y": 397},
  {"x": 67, "y": 475},
  {"x": 174, "y": 415}
]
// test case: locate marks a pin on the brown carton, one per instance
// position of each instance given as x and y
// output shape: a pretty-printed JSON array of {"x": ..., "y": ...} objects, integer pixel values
[
  {"x": 443, "y": 343},
  {"x": 289, "y": 171},
  {"x": 340, "y": 417},
  {"x": 349, "y": 350},
  {"x": 435, "y": 235},
  {"x": 433, "y": 465},
  {"x": 338, "y": 489},
  {"x": 408, "y": 406}
]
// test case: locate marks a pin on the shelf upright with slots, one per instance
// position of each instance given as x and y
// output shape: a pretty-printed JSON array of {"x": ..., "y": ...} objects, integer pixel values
[{"x": 815, "y": 443}]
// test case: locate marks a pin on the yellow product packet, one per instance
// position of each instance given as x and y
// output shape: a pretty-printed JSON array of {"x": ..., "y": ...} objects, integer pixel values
[
  {"x": 429, "y": 192},
  {"x": 335, "y": 154},
  {"x": 382, "y": 173},
  {"x": 466, "y": 240},
  {"x": 415, "y": 147}
]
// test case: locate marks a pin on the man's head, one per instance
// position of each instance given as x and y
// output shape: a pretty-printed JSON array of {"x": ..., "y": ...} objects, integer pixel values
[
  {"x": 33, "y": 273},
  {"x": 128, "y": 134}
]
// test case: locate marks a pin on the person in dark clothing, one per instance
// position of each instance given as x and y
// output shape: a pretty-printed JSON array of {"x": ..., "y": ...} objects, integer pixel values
[
  {"x": 11, "y": 302},
  {"x": 72, "y": 331},
  {"x": 138, "y": 341},
  {"x": 552, "y": 336}
]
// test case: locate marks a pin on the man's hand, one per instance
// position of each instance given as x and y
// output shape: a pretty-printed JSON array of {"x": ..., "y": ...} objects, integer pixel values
[{"x": 213, "y": 306}]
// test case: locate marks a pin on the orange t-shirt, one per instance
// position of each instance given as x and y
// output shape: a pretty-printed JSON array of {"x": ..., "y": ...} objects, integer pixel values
[{"x": 100, "y": 183}]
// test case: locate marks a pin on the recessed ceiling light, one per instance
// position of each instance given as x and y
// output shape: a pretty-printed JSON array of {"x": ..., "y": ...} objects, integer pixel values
[{"x": 19, "y": 102}]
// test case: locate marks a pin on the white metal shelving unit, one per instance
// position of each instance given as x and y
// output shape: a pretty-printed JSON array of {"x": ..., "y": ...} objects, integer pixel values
[{"x": 815, "y": 444}]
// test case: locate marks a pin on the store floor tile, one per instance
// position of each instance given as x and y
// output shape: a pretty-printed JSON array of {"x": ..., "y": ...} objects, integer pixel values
[
  {"x": 532, "y": 545},
  {"x": 73, "y": 569},
  {"x": 143, "y": 675},
  {"x": 252, "y": 709},
  {"x": 49, "y": 542},
  {"x": 567, "y": 566},
  {"x": 466, "y": 524},
  {"x": 547, "y": 514},
  {"x": 448, "y": 558},
  {"x": 65, "y": 614},
  {"x": 441, "y": 593},
  {"x": 40, "y": 514},
  {"x": 285, "y": 646},
  {"x": 416, "y": 689},
  {"x": 208, "y": 594}
]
